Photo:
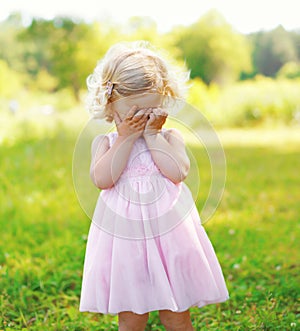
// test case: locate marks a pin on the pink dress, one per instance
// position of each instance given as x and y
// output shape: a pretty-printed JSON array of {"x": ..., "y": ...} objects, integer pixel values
[{"x": 146, "y": 248}]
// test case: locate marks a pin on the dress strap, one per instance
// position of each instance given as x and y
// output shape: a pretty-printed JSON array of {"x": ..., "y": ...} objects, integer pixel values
[{"x": 112, "y": 137}]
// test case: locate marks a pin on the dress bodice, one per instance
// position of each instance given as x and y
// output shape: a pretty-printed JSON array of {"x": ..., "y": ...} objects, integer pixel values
[{"x": 140, "y": 162}]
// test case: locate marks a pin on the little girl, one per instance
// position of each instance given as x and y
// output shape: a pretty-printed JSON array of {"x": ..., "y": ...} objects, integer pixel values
[{"x": 146, "y": 248}]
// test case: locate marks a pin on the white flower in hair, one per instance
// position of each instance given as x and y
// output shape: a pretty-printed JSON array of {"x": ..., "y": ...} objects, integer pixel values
[{"x": 109, "y": 88}]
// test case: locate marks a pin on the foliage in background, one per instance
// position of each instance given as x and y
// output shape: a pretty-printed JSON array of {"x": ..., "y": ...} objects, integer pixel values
[
  {"x": 65, "y": 49},
  {"x": 213, "y": 50},
  {"x": 10, "y": 80},
  {"x": 227, "y": 68},
  {"x": 289, "y": 70},
  {"x": 68, "y": 49},
  {"x": 272, "y": 49},
  {"x": 247, "y": 103}
]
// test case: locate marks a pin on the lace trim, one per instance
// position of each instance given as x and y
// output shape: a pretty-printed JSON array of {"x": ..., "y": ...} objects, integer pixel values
[
  {"x": 140, "y": 162},
  {"x": 112, "y": 136}
]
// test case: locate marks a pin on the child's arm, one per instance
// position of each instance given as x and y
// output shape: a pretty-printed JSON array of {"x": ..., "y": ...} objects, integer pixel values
[
  {"x": 168, "y": 150},
  {"x": 108, "y": 163}
]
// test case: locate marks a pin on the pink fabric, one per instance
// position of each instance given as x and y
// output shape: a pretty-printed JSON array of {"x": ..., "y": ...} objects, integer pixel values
[{"x": 147, "y": 249}]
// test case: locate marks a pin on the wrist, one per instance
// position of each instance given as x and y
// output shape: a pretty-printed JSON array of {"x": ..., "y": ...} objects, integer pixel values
[
  {"x": 128, "y": 138},
  {"x": 152, "y": 137},
  {"x": 148, "y": 133}
]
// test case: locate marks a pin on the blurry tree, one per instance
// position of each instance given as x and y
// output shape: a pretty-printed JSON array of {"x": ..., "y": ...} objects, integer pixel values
[
  {"x": 272, "y": 49},
  {"x": 296, "y": 41},
  {"x": 290, "y": 70},
  {"x": 10, "y": 50},
  {"x": 44, "y": 81},
  {"x": 60, "y": 53},
  {"x": 70, "y": 62},
  {"x": 64, "y": 48},
  {"x": 10, "y": 81},
  {"x": 36, "y": 40},
  {"x": 213, "y": 50},
  {"x": 141, "y": 28}
]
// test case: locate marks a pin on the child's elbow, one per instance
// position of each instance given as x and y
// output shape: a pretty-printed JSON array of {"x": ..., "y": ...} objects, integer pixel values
[
  {"x": 180, "y": 175},
  {"x": 99, "y": 182},
  {"x": 183, "y": 174},
  {"x": 185, "y": 168}
]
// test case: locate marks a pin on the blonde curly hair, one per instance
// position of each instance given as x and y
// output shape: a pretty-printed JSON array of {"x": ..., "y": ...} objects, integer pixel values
[{"x": 128, "y": 69}]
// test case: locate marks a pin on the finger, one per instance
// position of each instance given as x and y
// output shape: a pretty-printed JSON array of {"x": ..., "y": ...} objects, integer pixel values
[
  {"x": 147, "y": 114},
  {"x": 141, "y": 117},
  {"x": 141, "y": 112},
  {"x": 152, "y": 118},
  {"x": 164, "y": 113},
  {"x": 132, "y": 112},
  {"x": 163, "y": 120},
  {"x": 156, "y": 111},
  {"x": 141, "y": 123},
  {"x": 160, "y": 112}
]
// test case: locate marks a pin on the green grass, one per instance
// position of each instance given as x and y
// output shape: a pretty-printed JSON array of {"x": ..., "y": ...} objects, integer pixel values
[{"x": 44, "y": 230}]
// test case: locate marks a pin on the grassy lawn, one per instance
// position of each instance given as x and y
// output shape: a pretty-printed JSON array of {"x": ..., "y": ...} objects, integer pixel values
[{"x": 44, "y": 230}]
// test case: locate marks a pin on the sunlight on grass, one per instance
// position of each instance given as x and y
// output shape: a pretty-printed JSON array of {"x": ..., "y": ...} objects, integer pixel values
[
  {"x": 281, "y": 136},
  {"x": 44, "y": 230}
]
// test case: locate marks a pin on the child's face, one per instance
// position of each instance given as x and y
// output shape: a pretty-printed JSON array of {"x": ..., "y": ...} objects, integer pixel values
[{"x": 145, "y": 100}]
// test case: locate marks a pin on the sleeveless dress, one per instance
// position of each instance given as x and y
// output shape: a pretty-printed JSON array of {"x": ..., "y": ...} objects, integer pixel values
[{"x": 146, "y": 247}]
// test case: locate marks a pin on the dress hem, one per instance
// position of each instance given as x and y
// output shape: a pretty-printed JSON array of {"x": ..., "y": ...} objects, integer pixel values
[{"x": 198, "y": 304}]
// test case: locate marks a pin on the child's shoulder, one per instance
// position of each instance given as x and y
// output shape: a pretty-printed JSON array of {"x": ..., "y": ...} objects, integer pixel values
[
  {"x": 103, "y": 140},
  {"x": 100, "y": 138}
]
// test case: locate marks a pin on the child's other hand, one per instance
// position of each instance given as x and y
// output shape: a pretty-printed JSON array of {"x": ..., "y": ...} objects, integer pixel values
[
  {"x": 157, "y": 119},
  {"x": 133, "y": 124}
]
